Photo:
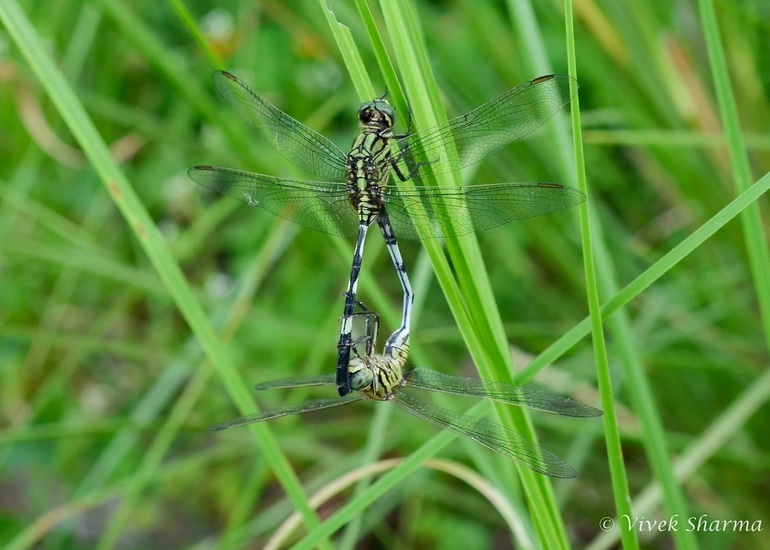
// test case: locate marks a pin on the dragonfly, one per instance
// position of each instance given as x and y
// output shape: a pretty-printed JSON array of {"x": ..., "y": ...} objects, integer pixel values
[
  {"x": 383, "y": 377},
  {"x": 352, "y": 190}
]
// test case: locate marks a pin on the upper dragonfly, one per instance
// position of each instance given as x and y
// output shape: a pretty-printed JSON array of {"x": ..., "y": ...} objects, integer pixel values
[{"x": 353, "y": 192}]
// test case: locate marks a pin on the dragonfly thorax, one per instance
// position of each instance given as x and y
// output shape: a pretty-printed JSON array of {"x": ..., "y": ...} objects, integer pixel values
[
  {"x": 369, "y": 162},
  {"x": 376, "y": 376}
]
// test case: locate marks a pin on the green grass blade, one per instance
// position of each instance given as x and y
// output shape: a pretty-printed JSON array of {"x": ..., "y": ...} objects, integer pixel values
[
  {"x": 611, "y": 432},
  {"x": 657, "y": 447},
  {"x": 754, "y": 232},
  {"x": 474, "y": 307},
  {"x": 186, "y": 17},
  {"x": 350, "y": 55}
]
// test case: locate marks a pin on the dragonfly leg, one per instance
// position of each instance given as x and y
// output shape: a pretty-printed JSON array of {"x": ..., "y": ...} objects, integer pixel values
[
  {"x": 404, "y": 154},
  {"x": 346, "y": 330},
  {"x": 408, "y": 126},
  {"x": 413, "y": 166},
  {"x": 371, "y": 328},
  {"x": 398, "y": 343}
]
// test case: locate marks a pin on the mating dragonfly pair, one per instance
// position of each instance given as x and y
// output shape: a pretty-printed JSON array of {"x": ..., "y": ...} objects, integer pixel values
[{"x": 353, "y": 193}]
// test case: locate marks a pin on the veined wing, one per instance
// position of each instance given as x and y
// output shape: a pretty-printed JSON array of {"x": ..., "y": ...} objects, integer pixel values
[
  {"x": 304, "y": 148},
  {"x": 307, "y": 406},
  {"x": 489, "y": 434},
  {"x": 318, "y": 205},
  {"x": 490, "y": 127},
  {"x": 497, "y": 391},
  {"x": 297, "y": 382},
  {"x": 451, "y": 211}
]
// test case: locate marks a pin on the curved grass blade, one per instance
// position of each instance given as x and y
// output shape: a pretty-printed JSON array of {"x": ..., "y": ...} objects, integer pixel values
[
  {"x": 489, "y": 434},
  {"x": 297, "y": 382},
  {"x": 322, "y": 206},
  {"x": 497, "y": 391},
  {"x": 304, "y": 148},
  {"x": 452, "y": 211},
  {"x": 307, "y": 406},
  {"x": 492, "y": 126}
]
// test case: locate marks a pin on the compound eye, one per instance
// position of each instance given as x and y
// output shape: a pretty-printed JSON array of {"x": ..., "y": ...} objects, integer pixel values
[
  {"x": 387, "y": 112},
  {"x": 361, "y": 379},
  {"x": 365, "y": 112}
]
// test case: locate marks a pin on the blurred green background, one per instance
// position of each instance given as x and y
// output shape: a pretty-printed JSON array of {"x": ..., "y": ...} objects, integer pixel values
[{"x": 105, "y": 394}]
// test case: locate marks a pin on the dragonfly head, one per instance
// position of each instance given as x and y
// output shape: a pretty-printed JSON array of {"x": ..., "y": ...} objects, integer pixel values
[
  {"x": 377, "y": 115},
  {"x": 361, "y": 375}
]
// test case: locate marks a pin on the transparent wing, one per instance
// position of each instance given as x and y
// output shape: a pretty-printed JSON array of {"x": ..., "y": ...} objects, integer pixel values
[
  {"x": 304, "y": 148},
  {"x": 322, "y": 206},
  {"x": 489, "y": 434},
  {"x": 297, "y": 382},
  {"x": 490, "y": 127},
  {"x": 497, "y": 391},
  {"x": 450, "y": 211},
  {"x": 307, "y": 406}
]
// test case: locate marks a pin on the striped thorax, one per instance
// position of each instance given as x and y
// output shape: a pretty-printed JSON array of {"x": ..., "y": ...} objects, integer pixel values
[
  {"x": 377, "y": 376},
  {"x": 369, "y": 161}
]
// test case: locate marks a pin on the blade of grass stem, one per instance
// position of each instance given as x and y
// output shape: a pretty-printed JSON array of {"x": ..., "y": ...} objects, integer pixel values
[
  {"x": 617, "y": 467},
  {"x": 751, "y": 220},
  {"x": 642, "y": 398},
  {"x": 474, "y": 308}
]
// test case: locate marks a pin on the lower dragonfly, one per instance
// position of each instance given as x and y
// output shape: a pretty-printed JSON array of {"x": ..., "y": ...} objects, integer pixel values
[
  {"x": 353, "y": 190},
  {"x": 383, "y": 378}
]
